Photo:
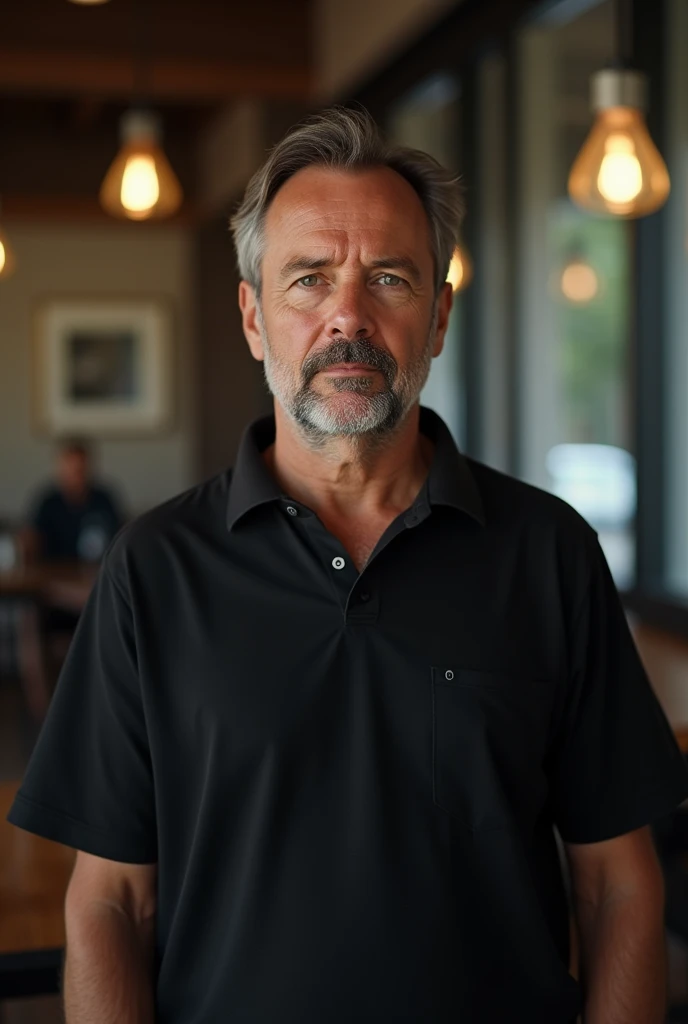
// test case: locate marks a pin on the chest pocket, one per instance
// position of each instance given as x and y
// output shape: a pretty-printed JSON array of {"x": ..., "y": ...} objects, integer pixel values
[{"x": 489, "y": 735}]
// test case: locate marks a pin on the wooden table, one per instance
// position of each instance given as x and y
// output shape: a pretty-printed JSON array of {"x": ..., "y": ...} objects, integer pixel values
[
  {"x": 34, "y": 873},
  {"x": 58, "y": 584},
  {"x": 64, "y": 585},
  {"x": 666, "y": 660}
]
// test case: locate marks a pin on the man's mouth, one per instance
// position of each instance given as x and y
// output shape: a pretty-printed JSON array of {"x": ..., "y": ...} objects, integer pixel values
[{"x": 349, "y": 368}]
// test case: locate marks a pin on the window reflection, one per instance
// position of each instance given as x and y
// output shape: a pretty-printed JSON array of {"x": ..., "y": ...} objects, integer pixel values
[
  {"x": 428, "y": 118},
  {"x": 574, "y": 285},
  {"x": 676, "y": 383}
]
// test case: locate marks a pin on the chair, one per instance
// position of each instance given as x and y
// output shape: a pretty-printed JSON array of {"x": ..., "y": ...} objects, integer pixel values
[{"x": 9, "y": 608}]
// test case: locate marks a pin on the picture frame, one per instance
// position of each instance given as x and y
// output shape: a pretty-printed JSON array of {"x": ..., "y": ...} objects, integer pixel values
[{"x": 102, "y": 367}]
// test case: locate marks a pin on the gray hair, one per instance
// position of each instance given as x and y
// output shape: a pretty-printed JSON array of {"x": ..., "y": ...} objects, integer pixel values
[{"x": 347, "y": 140}]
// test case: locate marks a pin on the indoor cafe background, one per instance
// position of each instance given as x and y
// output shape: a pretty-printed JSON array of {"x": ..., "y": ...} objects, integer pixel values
[{"x": 566, "y": 360}]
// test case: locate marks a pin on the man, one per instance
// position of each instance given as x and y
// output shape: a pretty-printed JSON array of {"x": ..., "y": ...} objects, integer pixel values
[
  {"x": 73, "y": 519},
  {"x": 332, "y": 704}
]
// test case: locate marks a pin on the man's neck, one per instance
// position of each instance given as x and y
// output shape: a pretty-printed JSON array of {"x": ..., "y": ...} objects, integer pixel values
[
  {"x": 346, "y": 481},
  {"x": 76, "y": 497}
]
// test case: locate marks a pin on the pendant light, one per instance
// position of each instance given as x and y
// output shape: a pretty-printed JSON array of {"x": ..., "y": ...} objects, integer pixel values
[
  {"x": 619, "y": 170},
  {"x": 140, "y": 183},
  {"x": 460, "y": 272},
  {"x": 576, "y": 281},
  {"x": 7, "y": 260}
]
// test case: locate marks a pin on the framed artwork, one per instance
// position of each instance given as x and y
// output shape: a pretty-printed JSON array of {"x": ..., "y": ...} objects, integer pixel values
[{"x": 102, "y": 367}]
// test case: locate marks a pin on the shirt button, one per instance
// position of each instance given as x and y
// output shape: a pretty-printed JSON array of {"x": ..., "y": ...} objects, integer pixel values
[
  {"x": 338, "y": 562},
  {"x": 449, "y": 674},
  {"x": 365, "y": 597},
  {"x": 291, "y": 510}
]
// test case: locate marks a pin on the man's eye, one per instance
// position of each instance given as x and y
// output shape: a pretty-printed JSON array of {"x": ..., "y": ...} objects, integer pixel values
[
  {"x": 309, "y": 280},
  {"x": 391, "y": 280}
]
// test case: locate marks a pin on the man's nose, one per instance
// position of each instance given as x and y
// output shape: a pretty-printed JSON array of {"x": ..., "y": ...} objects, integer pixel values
[{"x": 349, "y": 313}]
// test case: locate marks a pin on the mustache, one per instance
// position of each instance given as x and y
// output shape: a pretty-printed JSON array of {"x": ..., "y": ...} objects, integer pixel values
[{"x": 354, "y": 350}]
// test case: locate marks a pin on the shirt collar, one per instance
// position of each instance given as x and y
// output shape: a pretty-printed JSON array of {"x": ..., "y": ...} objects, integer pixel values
[{"x": 449, "y": 481}]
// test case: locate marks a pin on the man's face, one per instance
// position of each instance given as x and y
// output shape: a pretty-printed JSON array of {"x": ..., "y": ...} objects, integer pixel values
[
  {"x": 347, "y": 278},
  {"x": 72, "y": 471}
]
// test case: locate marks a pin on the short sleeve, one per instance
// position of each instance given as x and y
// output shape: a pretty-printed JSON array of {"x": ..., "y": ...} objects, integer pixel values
[
  {"x": 615, "y": 763},
  {"x": 89, "y": 780}
]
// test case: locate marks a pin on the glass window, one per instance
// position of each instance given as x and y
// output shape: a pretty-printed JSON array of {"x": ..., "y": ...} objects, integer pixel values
[
  {"x": 428, "y": 119},
  {"x": 574, "y": 291},
  {"x": 676, "y": 385}
]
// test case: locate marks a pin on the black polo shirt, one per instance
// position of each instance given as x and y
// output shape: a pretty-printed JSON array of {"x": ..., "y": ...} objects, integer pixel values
[{"x": 350, "y": 782}]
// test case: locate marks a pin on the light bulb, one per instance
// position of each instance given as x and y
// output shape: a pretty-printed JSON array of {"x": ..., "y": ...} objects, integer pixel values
[
  {"x": 619, "y": 169},
  {"x": 579, "y": 283},
  {"x": 140, "y": 187},
  {"x": 7, "y": 262},
  {"x": 621, "y": 178},
  {"x": 460, "y": 272},
  {"x": 140, "y": 184}
]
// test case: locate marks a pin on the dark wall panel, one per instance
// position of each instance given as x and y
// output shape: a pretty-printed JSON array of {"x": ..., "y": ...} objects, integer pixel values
[{"x": 231, "y": 389}]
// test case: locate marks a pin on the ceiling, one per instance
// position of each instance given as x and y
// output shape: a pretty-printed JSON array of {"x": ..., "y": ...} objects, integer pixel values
[{"x": 68, "y": 71}]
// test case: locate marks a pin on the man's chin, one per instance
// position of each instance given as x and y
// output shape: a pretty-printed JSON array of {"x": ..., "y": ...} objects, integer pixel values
[{"x": 347, "y": 420}]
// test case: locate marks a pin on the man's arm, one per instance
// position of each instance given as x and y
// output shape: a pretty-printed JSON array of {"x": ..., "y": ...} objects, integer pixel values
[
  {"x": 618, "y": 896},
  {"x": 110, "y": 949},
  {"x": 30, "y": 544},
  {"x": 32, "y": 534}
]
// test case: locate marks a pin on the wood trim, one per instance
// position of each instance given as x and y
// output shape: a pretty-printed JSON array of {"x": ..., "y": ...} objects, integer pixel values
[
  {"x": 34, "y": 874},
  {"x": 33, "y": 73},
  {"x": 81, "y": 210}
]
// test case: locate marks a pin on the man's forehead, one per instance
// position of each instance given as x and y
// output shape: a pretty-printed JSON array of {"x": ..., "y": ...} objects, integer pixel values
[{"x": 322, "y": 206}]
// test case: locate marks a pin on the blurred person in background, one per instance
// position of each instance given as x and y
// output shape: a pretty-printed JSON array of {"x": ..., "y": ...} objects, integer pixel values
[{"x": 74, "y": 518}]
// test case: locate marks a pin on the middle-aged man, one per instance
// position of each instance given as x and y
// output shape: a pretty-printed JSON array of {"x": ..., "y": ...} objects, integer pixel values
[{"x": 324, "y": 711}]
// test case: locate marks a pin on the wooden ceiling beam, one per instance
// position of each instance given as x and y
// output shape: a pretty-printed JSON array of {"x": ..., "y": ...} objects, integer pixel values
[
  {"x": 167, "y": 80},
  {"x": 85, "y": 113},
  {"x": 46, "y": 209}
]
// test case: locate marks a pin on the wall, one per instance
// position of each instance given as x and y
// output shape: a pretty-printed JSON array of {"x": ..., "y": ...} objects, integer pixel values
[
  {"x": 230, "y": 148},
  {"x": 676, "y": 298},
  {"x": 94, "y": 260},
  {"x": 353, "y": 39},
  {"x": 231, "y": 387}
]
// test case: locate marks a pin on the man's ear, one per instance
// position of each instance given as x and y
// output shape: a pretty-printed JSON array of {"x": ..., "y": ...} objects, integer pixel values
[
  {"x": 444, "y": 305},
  {"x": 248, "y": 304}
]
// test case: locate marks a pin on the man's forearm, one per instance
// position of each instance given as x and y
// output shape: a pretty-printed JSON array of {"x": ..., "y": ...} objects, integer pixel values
[
  {"x": 623, "y": 961},
  {"x": 108, "y": 974}
]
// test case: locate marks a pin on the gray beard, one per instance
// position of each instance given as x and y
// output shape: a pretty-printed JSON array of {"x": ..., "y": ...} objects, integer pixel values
[{"x": 381, "y": 413}]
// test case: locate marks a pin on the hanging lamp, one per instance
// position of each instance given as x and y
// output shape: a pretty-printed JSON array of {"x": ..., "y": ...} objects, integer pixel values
[
  {"x": 619, "y": 170},
  {"x": 575, "y": 281},
  {"x": 460, "y": 272},
  {"x": 7, "y": 260},
  {"x": 140, "y": 183}
]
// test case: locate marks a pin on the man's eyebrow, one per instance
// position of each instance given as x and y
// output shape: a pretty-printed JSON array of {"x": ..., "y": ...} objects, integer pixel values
[
  {"x": 399, "y": 263},
  {"x": 304, "y": 263},
  {"x": 318, "y": 262}
]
